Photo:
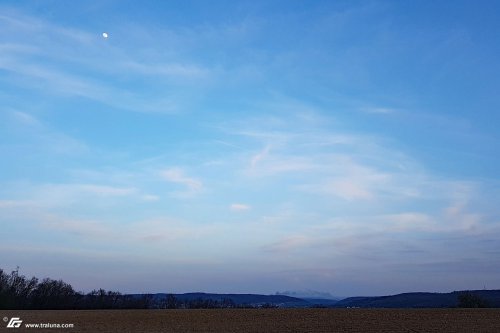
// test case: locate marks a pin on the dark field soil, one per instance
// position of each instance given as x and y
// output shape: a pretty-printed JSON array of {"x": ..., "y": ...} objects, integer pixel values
[{"x": 262, "y": 321}]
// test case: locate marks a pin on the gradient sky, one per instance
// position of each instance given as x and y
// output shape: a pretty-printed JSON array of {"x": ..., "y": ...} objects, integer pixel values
[{"x": 350, "y": 147}]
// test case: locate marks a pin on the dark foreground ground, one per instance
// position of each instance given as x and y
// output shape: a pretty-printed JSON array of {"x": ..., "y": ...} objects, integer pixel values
[{"x": 265, "y": 320}]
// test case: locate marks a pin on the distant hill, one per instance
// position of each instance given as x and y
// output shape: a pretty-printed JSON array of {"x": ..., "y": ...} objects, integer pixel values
[
  {"x": 254, "y": 300},
  {"x": 250, "y": 299},
  {"x": 417, "y": 300},
  {"x": 309, "y": 294},
  {"x": 314, "y": 298},
  {"x": 405, "y": 300},
  {"x": 323, "y": 302}
]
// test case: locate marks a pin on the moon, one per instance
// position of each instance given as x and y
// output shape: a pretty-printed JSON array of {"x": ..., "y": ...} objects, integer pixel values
[{"x": 105, "y": 34}]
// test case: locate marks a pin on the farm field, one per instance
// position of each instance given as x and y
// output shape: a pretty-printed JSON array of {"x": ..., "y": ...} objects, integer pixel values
[{"x": 261, "y": 320}]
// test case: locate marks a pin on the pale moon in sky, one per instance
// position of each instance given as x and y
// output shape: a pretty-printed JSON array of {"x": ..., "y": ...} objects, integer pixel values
[{"x": 105, "y": 34}]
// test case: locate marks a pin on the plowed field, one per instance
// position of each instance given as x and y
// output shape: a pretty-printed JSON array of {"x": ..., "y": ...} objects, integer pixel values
[{"x": 261, "y": 321}]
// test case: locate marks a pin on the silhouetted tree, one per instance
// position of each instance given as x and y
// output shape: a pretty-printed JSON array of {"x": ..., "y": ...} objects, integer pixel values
[
  {"x": 16, "y": 290},
  {"x": 145, "y": 302},
  {"x": 102, "y": 299},
  {"x": 55, "y": 294},
  {"x": 171, "y": 302},
  {"x": 268, "y": 306},
  {"x": 470, "y": 300},
  {"x": 19, "y": 292},
  {"x": 228, "y": 303},
  {"x": 7, "y": 300},
  {"x": 201, "y": 303}
]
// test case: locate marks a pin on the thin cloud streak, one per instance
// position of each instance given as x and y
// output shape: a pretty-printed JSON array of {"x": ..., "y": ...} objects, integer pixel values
[
  {"x": 177, "y": 175},
  {"x": 238, "y": 207},
  {"x": 28, "y": 63}
]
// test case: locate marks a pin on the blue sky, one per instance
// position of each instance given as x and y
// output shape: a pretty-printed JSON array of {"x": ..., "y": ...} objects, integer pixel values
[{"x": 251, "y": 146}]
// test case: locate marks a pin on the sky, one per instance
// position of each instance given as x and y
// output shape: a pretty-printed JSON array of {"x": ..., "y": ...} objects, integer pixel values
[{"x": 349, "y": 147}]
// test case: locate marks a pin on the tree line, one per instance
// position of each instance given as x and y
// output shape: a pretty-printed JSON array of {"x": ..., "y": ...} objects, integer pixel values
[
  {"x": 18, "y": 292},
  {"x": 468, "y": 299}
]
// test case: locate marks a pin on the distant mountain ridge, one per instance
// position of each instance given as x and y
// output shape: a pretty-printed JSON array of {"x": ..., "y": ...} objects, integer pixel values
[
  {"x": 253, "y": 300},
  {"x": 418, "y": 300},
  {"x": 404, "y": 300},
  {"x": 250, "y": 299},
  {"x": 309, "y": 294}
]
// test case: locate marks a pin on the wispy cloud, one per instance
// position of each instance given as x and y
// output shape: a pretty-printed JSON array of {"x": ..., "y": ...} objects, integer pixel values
[
  {"x": 379, "y": 110},
  {"x": 59, "y": 82},
  {"x": 53, "y": 195},
  {"x": 32, "y": 61},
  {"x": 351, "y": 180},
  {"x": 289, "y": 244},
  {"x": 16, "y": 203},
  {"x": 169, "y": 70},
  {"x": 80, "y": 228},
  {"x": 239, "y": 207},
  {"x": 161, "y": 230},
  {"x": 26, "y": 119},
  {"x": 259, "y": 156},
  {"x": 150, "y": 197},
  {"x": 409, "y": 221},
  {"x": 349, "y": 190},
  {"x": 39, "y": 136},
  {"x": 178, "y": 176},
  {"x": 102, "y": 190}
]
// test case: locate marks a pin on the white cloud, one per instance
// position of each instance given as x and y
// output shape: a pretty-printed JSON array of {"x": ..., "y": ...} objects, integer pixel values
[
  {"x": 164, "y": 229},
  {"x": 349, "y": 189},
  {"x": 176, "y": 70},
  {"x": 177, "y": 175},
  {"x": 26, "y": 119},
  {"x": 40, "y": 136},
  {"x": 102, "y": 190},
  {"x": 61, "y": 195},
  {"x": 350, "y": 180},
  {"x": 84, "y": 228},
  {"x": 259, "y": 156},
  {"x": 150, "y": 197},
  {"x": 290, "y": 243},
  {"x": 283, "y": 215},
  {"x": 458, "y": 216},
  {"x": 238, "y": 207},
  {"x": 269, "y": 165},
  {"x": 378, "y": 110},
  {"x": 409, "y": 221},
  {"x": 16, "y": 203}
]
